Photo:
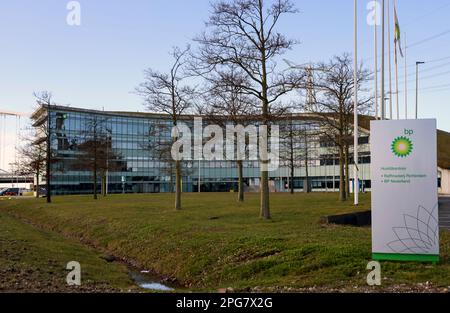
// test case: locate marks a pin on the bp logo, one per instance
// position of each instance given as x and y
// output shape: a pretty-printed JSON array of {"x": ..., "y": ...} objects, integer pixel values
[{"x": 402, "y": 146}]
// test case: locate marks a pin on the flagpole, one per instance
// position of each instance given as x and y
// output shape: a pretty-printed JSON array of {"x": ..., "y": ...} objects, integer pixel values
[
  {"x": 355, "y": 109},
  {"x": 376, "y": 60},
  {"x": 389, "y": 59},
  {"x": 396, "y": 61},
  {"x": 383, "y": 102},
  {"x": 406, "y": 83},
  {"x": 396, "y": 86}
]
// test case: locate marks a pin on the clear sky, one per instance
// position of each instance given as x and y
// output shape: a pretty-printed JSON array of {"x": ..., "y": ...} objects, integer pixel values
[{"x": 98, "y": 64}]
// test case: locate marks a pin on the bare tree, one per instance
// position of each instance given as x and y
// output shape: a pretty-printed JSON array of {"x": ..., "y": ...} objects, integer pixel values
[
  {"x": 289, "y": 142},
  {"x": 295, "y": 148},
  {"x": 95, "y": 152},
  {"x": 334, "y": 105},
  {"x": 243, "y": 33},
  {"x": 159, "y": 148},
  {"x": 44, "y": 99},
  {"x": 168, "y": 93},
  {"x": 227, "y": 103},
  {"x": 32, "y": 157}
]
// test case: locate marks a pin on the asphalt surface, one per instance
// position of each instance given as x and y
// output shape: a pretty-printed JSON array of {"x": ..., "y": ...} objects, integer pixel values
[{"x": 444, "y": 212}]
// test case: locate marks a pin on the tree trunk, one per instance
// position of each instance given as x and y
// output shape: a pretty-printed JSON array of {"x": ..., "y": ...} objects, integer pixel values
[
  {"x": 95, "y": 181},
  {"x": 265, "y": 208},
  {"x": 101, "y": 185},
  {"x": 292, "y": 187},
  {"x": 178, "y": 185},
  {"x": 240, "y": 181},
  {"x": 37, "y": 184},
  {"x": 342, "y": 193},
  {"x": 347, "y": 173},
  {"x": 104, "y": 184},
  {"x": 265, "y": 204}
]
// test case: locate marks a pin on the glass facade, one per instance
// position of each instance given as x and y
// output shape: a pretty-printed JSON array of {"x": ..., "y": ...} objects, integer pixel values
[{"x": 138, "y": 164}]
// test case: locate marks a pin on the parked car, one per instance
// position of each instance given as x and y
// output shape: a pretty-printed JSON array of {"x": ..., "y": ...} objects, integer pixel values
[
  {"x": 11, "y": 192},
  {"x": 42, "y": 192}
]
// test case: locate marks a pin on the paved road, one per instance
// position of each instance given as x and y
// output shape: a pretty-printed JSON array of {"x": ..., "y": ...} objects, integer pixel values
[{"x": 444, "y": 212}]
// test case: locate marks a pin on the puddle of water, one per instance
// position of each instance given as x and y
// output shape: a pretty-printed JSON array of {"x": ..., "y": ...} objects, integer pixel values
[
  {"x": 145, "y": 280},
  {"x": 155, "y": 286}
]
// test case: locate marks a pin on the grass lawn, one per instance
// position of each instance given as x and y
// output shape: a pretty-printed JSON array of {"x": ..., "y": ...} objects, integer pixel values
[
  {"x": 215, "y": 242},
  {"x": 35, "y": 260}
]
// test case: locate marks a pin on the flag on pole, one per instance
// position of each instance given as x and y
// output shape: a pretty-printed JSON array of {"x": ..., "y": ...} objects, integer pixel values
[{"x": 397, "y": 38}]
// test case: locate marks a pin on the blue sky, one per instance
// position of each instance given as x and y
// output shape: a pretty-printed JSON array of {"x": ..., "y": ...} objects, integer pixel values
[{"x": 98, "y": 64}]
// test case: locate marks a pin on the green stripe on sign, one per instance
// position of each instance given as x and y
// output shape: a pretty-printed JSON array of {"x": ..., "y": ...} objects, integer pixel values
[{"x": 405, "y": 257}]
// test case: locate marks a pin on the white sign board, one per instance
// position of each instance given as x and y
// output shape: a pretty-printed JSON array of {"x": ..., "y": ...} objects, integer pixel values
[{"x": 405, "y": 223}]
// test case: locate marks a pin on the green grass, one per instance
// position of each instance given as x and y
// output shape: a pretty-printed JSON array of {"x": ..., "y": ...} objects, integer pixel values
[
  {"x": 35, "y": 260},
  {"x": 215, "y": 242}
]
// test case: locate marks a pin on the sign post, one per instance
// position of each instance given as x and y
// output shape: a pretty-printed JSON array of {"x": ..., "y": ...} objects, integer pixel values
[{"x": 405, "y": 222}]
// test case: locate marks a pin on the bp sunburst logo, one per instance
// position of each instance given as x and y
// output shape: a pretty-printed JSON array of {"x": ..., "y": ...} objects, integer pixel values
[{"x": 402, "y": 147}]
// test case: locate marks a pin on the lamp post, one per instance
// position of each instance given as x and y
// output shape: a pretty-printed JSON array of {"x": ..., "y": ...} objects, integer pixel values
[{"x": 417, "y": 86}]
